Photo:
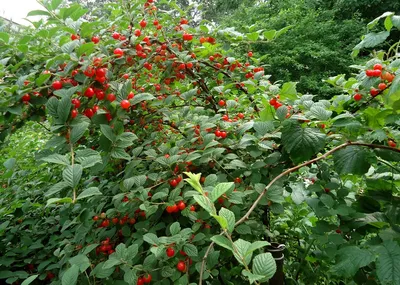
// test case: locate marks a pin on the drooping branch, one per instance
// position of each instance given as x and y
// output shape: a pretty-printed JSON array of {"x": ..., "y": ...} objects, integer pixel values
[{"x": 287, "y": 172}]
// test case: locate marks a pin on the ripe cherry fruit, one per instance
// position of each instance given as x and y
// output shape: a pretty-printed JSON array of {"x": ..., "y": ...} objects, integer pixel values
[
  {"x": 357, "y": 97},
  {"x": 187, "y": 37},
  {"x": 391, "y": 143},
  {"x": 382, "y": 86},
  {"x": 181, "y": 205},
  {"x": 140, "y": 281},
  {"x": 173, "y": 183},
  {"x": 118, "y": 52},
  {"x": 95, "y": 39},
  {"x": 125, "y": 104},
  {"x": 378, "y": 66},
  {"x": 181, "y": 266},
  {"x": 221, "y": 103},
  {"x": 26, "y": 98},
  {"x": 374, "y": 92},
  {"x": 74, "y": 113},
  {"x": 57, "y": 85},
  {"x": 147, "y": 278},
  {"x": 143, "y": 23},
  {"x": 170, "y": 252}
]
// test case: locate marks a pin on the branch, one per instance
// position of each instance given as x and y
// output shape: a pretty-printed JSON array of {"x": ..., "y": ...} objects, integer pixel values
[{"x": 288, "y": 171}]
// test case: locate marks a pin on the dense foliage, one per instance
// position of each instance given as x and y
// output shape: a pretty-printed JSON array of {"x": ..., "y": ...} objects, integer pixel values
[{"x": 166, "y": 157}]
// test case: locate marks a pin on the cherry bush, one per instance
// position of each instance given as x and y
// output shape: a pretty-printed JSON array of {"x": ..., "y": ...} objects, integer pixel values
[{"x": 172, "y": 159}]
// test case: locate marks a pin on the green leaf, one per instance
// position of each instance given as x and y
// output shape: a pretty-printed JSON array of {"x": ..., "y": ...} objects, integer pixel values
[
  {"x": 38, "y": 13},
  {"x": 241, "y": 248},
  {"x": 351, "y": 259},
  {"x": 72, "y": 175},
  {"x": 29, "y": 280},
  {"x": 80, "y": 260},
  {"x": 55, "y": 4},
  {"x": 252, "y": 277},
  {"x": 352, "y": 159},
  {"x": 256, "y": 245},
  {"x": 56, "y": 188},
  {"x": 264, "y": 264},
  {"x": 194, "y": 181},
  {"x": 4, "y": 37},
  {"x": 221, "y": 189},
  {"x": 222, "y": 221},
  {"x": 108, "y": 132},
  {"x": 388, "y": 263},
  {"x": 52, "y": 106},
  {"x": 252, "y": 36},
  {"x": 63, "y": 109},
  {"x": 222, "y": 241},
  {"x": 70, "y": 46},
  {"x": 111, "y": 263},
  {"x": 302, "y": 143},
  {"x": 270, "y": 35},
  {"x": 141, "y": 97},
  {"x": 56, "y": 158},
  {"x": 86, "y": 49},
  {"x": 58, "y": 201},
  {"x": 263, "y": 128},
  {"x": 78, "y": 131},
  {"x": 10, "y": 163},
  {"x": 100, "y": 272},
  {"x": 130, "y": 276},
  {"x": 190, "y": 250},
  {"x": 131, "y": 252},
  {"x": 43, "y": 78},
  {"x": 175, "y": 228},
  {"x": 70, "y": 276},
  {"x": 281, "y": 113},
  {"x": 372, "y": 39},
  {"x": 120, "y": 153},
  {"x": 151, "y": 239},
  {"x": 320, "y": 113},
  {"x": 229, "y": 217},
  {"x": 205, "y": 203},
  {"x": 288, "y": 91},
  {"x": 92, "y": 191}
]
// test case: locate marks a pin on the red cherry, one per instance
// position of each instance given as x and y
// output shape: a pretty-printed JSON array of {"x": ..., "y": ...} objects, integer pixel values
[
  {"x": 89, "y": 113},
  {"x": 118, "y": 52},
  {"x": 374, "y": 92},
  {"x": 182, "y": 253},
  {"x": 170, "y": 252},
  {"x": 95, "y": 218},
  {"x": 173, "y": 183},
  {"x": 115, "y": 220},
  {"x": 95, "y": 39},
  {"x": 378, "y": 66},
  {"x": 211, "y": 58},
  {"x": 138, "y": 32},
  {"x": 221, "y": 103},
  {"x": 357, "y": 97},
  {"x": 131, "y": 95},
  {"x": 76, "y": 102},
  {"x": 155, "y": 22},
  {"x": 250, "y": 54},
  {"x": 238, "y": 180},
  {"x": 382, "y": 86},
  {"x": 181, "y": 205},
  {"x": 101, "y": 72},
  {"x": 217, "y": 133},
  {"x": 192, "y": 208},
  {"x": 143, "y": 23},
  {"x": 89, "y": 92},
  {"x": 100, "y": 94},
  {"x": 241, "y": 115},
  {"x": 74, "y": 37},
  {"x": 187, "y": 37},
  {"x": 147, "y": 278},
  {"x": 125, "y": 104},
  {"x": 105, "y": 223},
  {"x": 140, "y": 281},
  {"x": 111, "y": 97},
  {"x": 391, "y": 143},
  {"x": 273, "y": 102},
  {"x": 116, "y": 35},
  {"x": 223, "y": 134},
  {"x": 74, "y": 113},
  {"x": 132, "y": 221},
  {"x": 377, "y": 72},
  {"x": 327, "y": 190},
  {"x": 189, "y": 65},
  {"x": 26, "y": 98},
  {"x": 369, "y": 72},
  {"x": 338, "y": 231},
  {"x": 181, "y": 266},
  {"x": 57, "y": 85},
  {"x": 172, "y": 209}
]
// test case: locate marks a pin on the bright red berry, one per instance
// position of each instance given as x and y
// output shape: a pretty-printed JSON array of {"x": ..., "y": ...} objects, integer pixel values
[
  {"x": 140, "y": 281},
  {"x": 170, "y": 252},
  {"x": 125, "y": 104},
  {"x": 74, "y": 113},
  {"x": 338, "y": 231},
  {"x": 95, "y": 39},
  {"x": 181, "y": 205},
  {"x": 143, "y": 23},
  {"x": 374, "y": 92},
  {"x": 391, "y": 143},
  {"x": 26, "y": 98},
  {"x": 187, "y": 37},
  {"x": 221, "y": 103},
  {"x": 250, "y": 54},
  {"x": 111, "y": 97},
  {"x": 181, "y": 266},
  {"x": 118, "y": 52},
  {"x": 89, "y": 113},
  {"x": 89, "y": 92},
  {"x": 357, "y": 97},
  {"x": 147, "y": 278},
  {"x": 116, "y": 35},
  {"x": 57, "y": 85},
  {"x": 173, "y": 183},
  {"x": 378, "y": 66},
  {"x": 382, "y": 86}
]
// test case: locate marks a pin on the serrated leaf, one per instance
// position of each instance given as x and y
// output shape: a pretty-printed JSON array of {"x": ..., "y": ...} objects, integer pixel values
[
  {"x": 222, "y": 241},
  {"x": 58, "y": 201},
  {"x": 80, "y": 260},
  {"x": 70, "y": 276},
  {"x": 151, "y": 239},
  {"x": 351, "y": 258},
  {"x": 264, "y": 264},
  {"x": 320, "y": 113},
  {"x": 130, "y": 277},
  {"x": 252, "y": 277},
  {"x": 69, "y": 46},
  {"x": 229, "y": 217},
  {"x": 108, "y": 132},
  {"x": 205, "y": 203},
  {"x": 77, "y": 131},
  {"x": 221, "y": 189},
  {"x": 63, "y": 109},
  {"x": 52, "y": 106},
  {"x": 388, "y": 263},
  {"x": 175, "y": 228},
  {"x": 92, "y": 191},
  {"x": 302, "y": 143},
  {"x": 56, "y": 158},
  {"x": 263, "y": 128},
  {"x": 222, "y": 221},
  {"x": 72, "y": 175},
  {"x": 256, "y": 245},
  {"x": 111, "y": 263},
  {"x": 190, "y": 250},
  {"x": 56, "y": 188},
  {"x": 120, "y": 153},
  {"x": 281, "y": 113},
  {"x": 288, "y": 91},
  {"x": 194, "y": 181},
  {"x": 141, "y": 97},
  {"x": 241, "y": 248},
  {"x": 372, "y": 39},
  {"x": 352, "y": 159},
  {"x": 43, "y": 78}
]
